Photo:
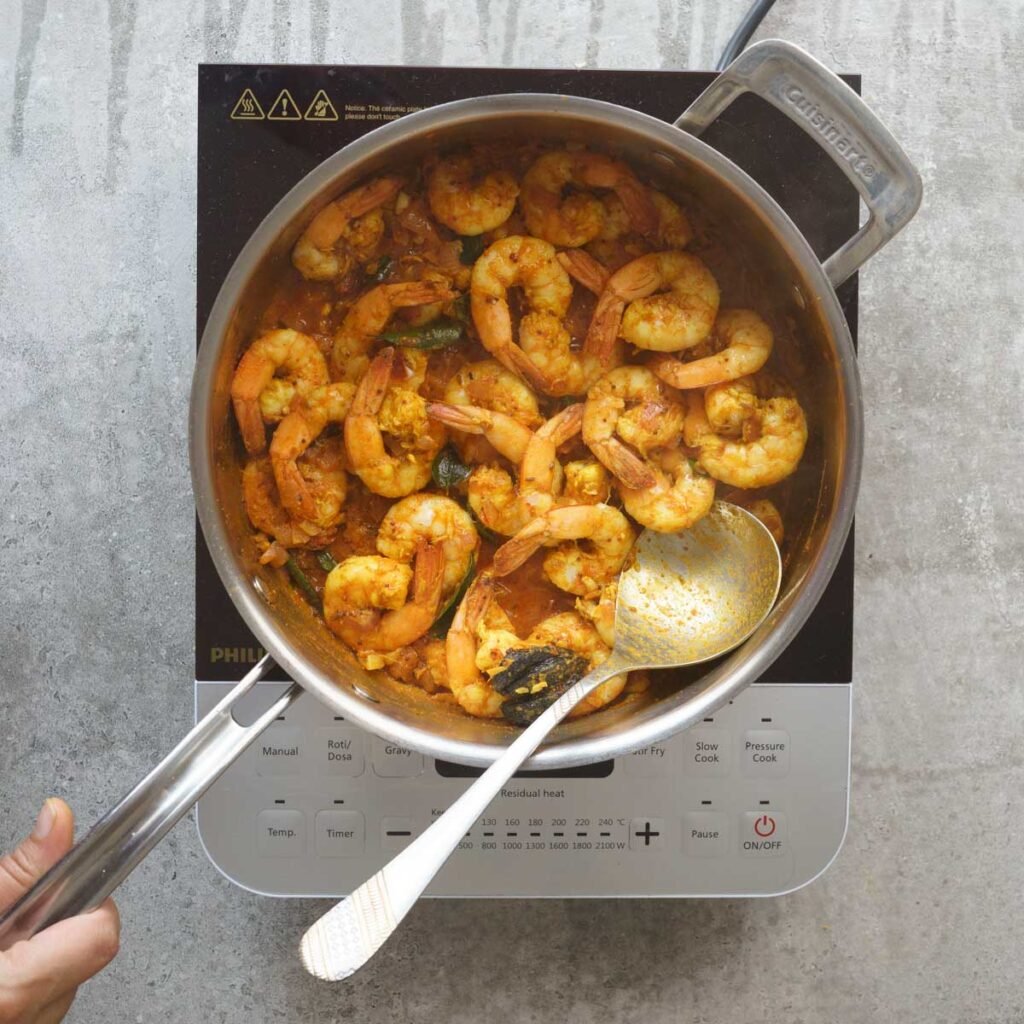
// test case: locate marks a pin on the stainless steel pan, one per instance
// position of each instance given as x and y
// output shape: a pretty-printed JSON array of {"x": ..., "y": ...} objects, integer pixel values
[{"x": 801, "y": 302}]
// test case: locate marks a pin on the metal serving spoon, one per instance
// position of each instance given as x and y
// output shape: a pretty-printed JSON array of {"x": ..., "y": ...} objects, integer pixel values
[{"x": 686, "y": 598}]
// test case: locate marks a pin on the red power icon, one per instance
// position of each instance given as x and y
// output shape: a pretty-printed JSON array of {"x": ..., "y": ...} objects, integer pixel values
[{"x": 764, "y": 826}]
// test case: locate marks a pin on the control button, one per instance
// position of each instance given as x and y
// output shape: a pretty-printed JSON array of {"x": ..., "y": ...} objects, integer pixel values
[
  {"x": 339, "y": 833},
  {"x": 765, "y": 753},
  {"x": 279, "y": 751},
  {"x": 648, "y": 762},
  {"x": 646, "y": 833},
  {"x": 395, "y": 833},
  {"x": 704, "y": 833},
  {"x": 339, "y": 752},
  {"x": 762, "y": 834},
  {"x": 281, "y": 833},
  {"x": 706, "y": 752},
  {"x": 391, "y": 761}
]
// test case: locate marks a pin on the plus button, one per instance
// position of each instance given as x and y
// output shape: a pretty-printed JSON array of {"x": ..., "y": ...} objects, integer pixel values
[{"x": 645, "y": 833}]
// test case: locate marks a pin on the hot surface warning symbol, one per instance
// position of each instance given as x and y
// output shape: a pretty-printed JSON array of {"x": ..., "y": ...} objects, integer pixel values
[
  {"x": 247, "y": 108},
  {"x": 321, "y": 109},
  {"x": 284, "y": 108}
]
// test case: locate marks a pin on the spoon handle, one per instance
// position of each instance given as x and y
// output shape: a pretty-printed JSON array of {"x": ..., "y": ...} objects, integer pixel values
[{"x": 341, "y": 941}]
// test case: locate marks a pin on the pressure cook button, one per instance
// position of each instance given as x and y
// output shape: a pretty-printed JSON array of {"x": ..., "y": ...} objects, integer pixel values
[
  {"x": 648, "y": 762},
  {"x": 281, "y": 833},
  {"x": 279, "y": 751},
  {"x": 762, "y": 834},
  {"x": 339, "y": 833},
  {"x": 393, "y": 762},
  {"x": 395, "y": 833},
  {"x": 705, "y": 752},
  {"x": 646, "y": 833},
  {"x": 765, "y": 753},
  {"x": 704, "y": 833},
  {"x": 340, "y": 752}
]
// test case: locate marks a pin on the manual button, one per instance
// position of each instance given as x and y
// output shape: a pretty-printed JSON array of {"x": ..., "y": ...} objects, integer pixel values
[
  {"x": 762, "y": 834},
  {"x": 765, "y": 753},
  {"x": 279, "y": 751}
]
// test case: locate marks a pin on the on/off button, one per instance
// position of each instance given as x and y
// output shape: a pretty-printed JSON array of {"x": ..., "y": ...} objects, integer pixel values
[{"x": 762, "y": 834}]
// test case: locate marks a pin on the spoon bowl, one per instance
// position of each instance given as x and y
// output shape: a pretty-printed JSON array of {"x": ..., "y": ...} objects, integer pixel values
[{"x": 685, "y": 598}]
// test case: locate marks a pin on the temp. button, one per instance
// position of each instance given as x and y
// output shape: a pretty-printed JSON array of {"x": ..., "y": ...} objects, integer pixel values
[
  {"x": 765, "y": 753},
  {"x": 705, "y": 752},
  {"x": 281, "y": 833}
]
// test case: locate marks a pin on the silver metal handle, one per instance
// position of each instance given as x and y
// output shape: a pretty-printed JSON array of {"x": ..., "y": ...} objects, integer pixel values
[
  {"x": 344, "y": 938},
  {"x": 102, "y": 859},
  {"x": 840, "y": 122}
]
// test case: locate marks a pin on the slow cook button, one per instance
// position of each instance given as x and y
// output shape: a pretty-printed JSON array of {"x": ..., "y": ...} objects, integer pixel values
[
  {"x": 393, "y": 762},
  {"x": 279, "y": 751},
  {"x": 281, "y": 833},
  {"x": 339, "y": 833},
  {"x": 705, "y": 752},
  {"x": 704, "y": 833},
  {"x": 340, "y": 752},
  {"x": 765, "y": 753},
  {"x": 762, "y": 834}
]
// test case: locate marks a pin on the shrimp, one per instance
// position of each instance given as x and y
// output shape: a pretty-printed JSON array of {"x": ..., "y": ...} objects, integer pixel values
[
  {"x": 329, "y": 403},
  {"x": 769, "y": 515},
  {"x": 587, "y": 482},
  {"x": 571, "y": 566},
  {"x": 582, "y": 267},
  {"x": 393, "y": 476},
  {"x": 352, "y": 220},
  {"x": 530, "y": 263},
  {"x": 369, "y": 316},
  {"x": 561, "y": 369},
  {"x": 540, "y": 473},
  {"x": 665, "y": 322},
  {"x": 265, "y": 511},
  {"x": 770, "y": 445},
  {"x": 435, "y": 519},
  {"x": 468, "y": 684},
  {"x": 468, "y": 197},
  {"x": 654, "y": 421},
  {"x": 365, "y": 599},
  {"x": 671, "y": 228},
  {"x": 573, "y": 632},
  {"x": 285, "y": 351},
  {"x": 679, "y": 497},
  {"x": 579, "y": 218},
  {"x": 601, "y": 611},
  {"x": 748, "y": 344}
]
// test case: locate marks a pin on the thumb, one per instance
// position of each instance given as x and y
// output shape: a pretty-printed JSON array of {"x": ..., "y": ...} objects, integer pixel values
[{"x": 50, "y": 840}]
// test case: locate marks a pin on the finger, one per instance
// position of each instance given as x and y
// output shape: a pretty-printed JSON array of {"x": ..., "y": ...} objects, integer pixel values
[
  {"x": 56, "y": 1011},
  {"x": 58, "y": 959},
  {"x": 50, "y": 840}
]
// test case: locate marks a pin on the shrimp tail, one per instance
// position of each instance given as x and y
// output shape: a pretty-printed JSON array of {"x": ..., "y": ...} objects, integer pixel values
[
  {"x": 519, "y": 362},
  {"x": 428, "y": 576},
  {"x": 250, "y": 423},
  {"x": 465, "y": 418},
  {"x": 582, "y": 267},
  {"x": 604, "y": 326},
  {"x": 565, "y": 425},
  {"x": 643, "y": 214},
  {"x": 519, "y": 548},
  {"x": 628, "y": 467},
  {"x": 370, "y": 393}
]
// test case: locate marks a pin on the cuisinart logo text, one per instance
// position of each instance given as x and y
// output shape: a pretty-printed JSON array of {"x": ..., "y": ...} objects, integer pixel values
[{"x": 852, "y": 152}]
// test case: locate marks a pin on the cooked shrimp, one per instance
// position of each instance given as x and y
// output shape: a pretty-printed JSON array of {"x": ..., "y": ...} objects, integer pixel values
[
  {"x": 365, "y": 599},
  {"x": 435, "y": 519},
  {"x": 578, "y": 218},
  {"x": 343, "y": 229},
  {"x": 769, "y": 514},
  {"x": 582, "y": 267},
  {"x": 393, "y": 476},
  {"x": 573, "y": 632},
  {"x": 601, "y": 611},
  {"x": 540, "y": 472},
  {"x": 770, "y": 447},
  {"x": 559, "y": 368},
  {"x": 679, "y": 497},
  {"x": 506, "y": 435},
  {"x": 283, "y": 352},
  {"x": 608, "y": 539},
  {"x": 468, "y": 197},
  {"x": 468, "y": 684},
  {"x": 632, "y": 403},
  {"x": 531, "y": 264},
  {"x": 671, "y": 227},
  {"x": 748, "y": 344},
  {"x": 587, "y": 482},
  {"x": 265, "y": 511},
  {"x": 369, "y": 316},
  {"x": 328, "y": 403},
  {"x": 678, "y": 318}
]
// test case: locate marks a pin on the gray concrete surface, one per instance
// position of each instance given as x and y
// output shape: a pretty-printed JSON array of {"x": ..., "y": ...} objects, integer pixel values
[{"x": 920, "y": 918}]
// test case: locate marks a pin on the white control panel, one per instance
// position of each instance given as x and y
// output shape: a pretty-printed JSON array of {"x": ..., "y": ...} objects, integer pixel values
[{"x": 750, "y": 802}]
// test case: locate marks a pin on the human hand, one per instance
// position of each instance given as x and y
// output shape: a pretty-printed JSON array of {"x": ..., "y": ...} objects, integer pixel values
[{"x": 39, "y": 977}]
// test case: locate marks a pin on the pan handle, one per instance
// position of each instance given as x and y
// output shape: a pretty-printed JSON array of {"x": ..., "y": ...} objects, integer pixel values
[
  {"x": 103, "y": 858},
  {"x": 840, "y": 122}
]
